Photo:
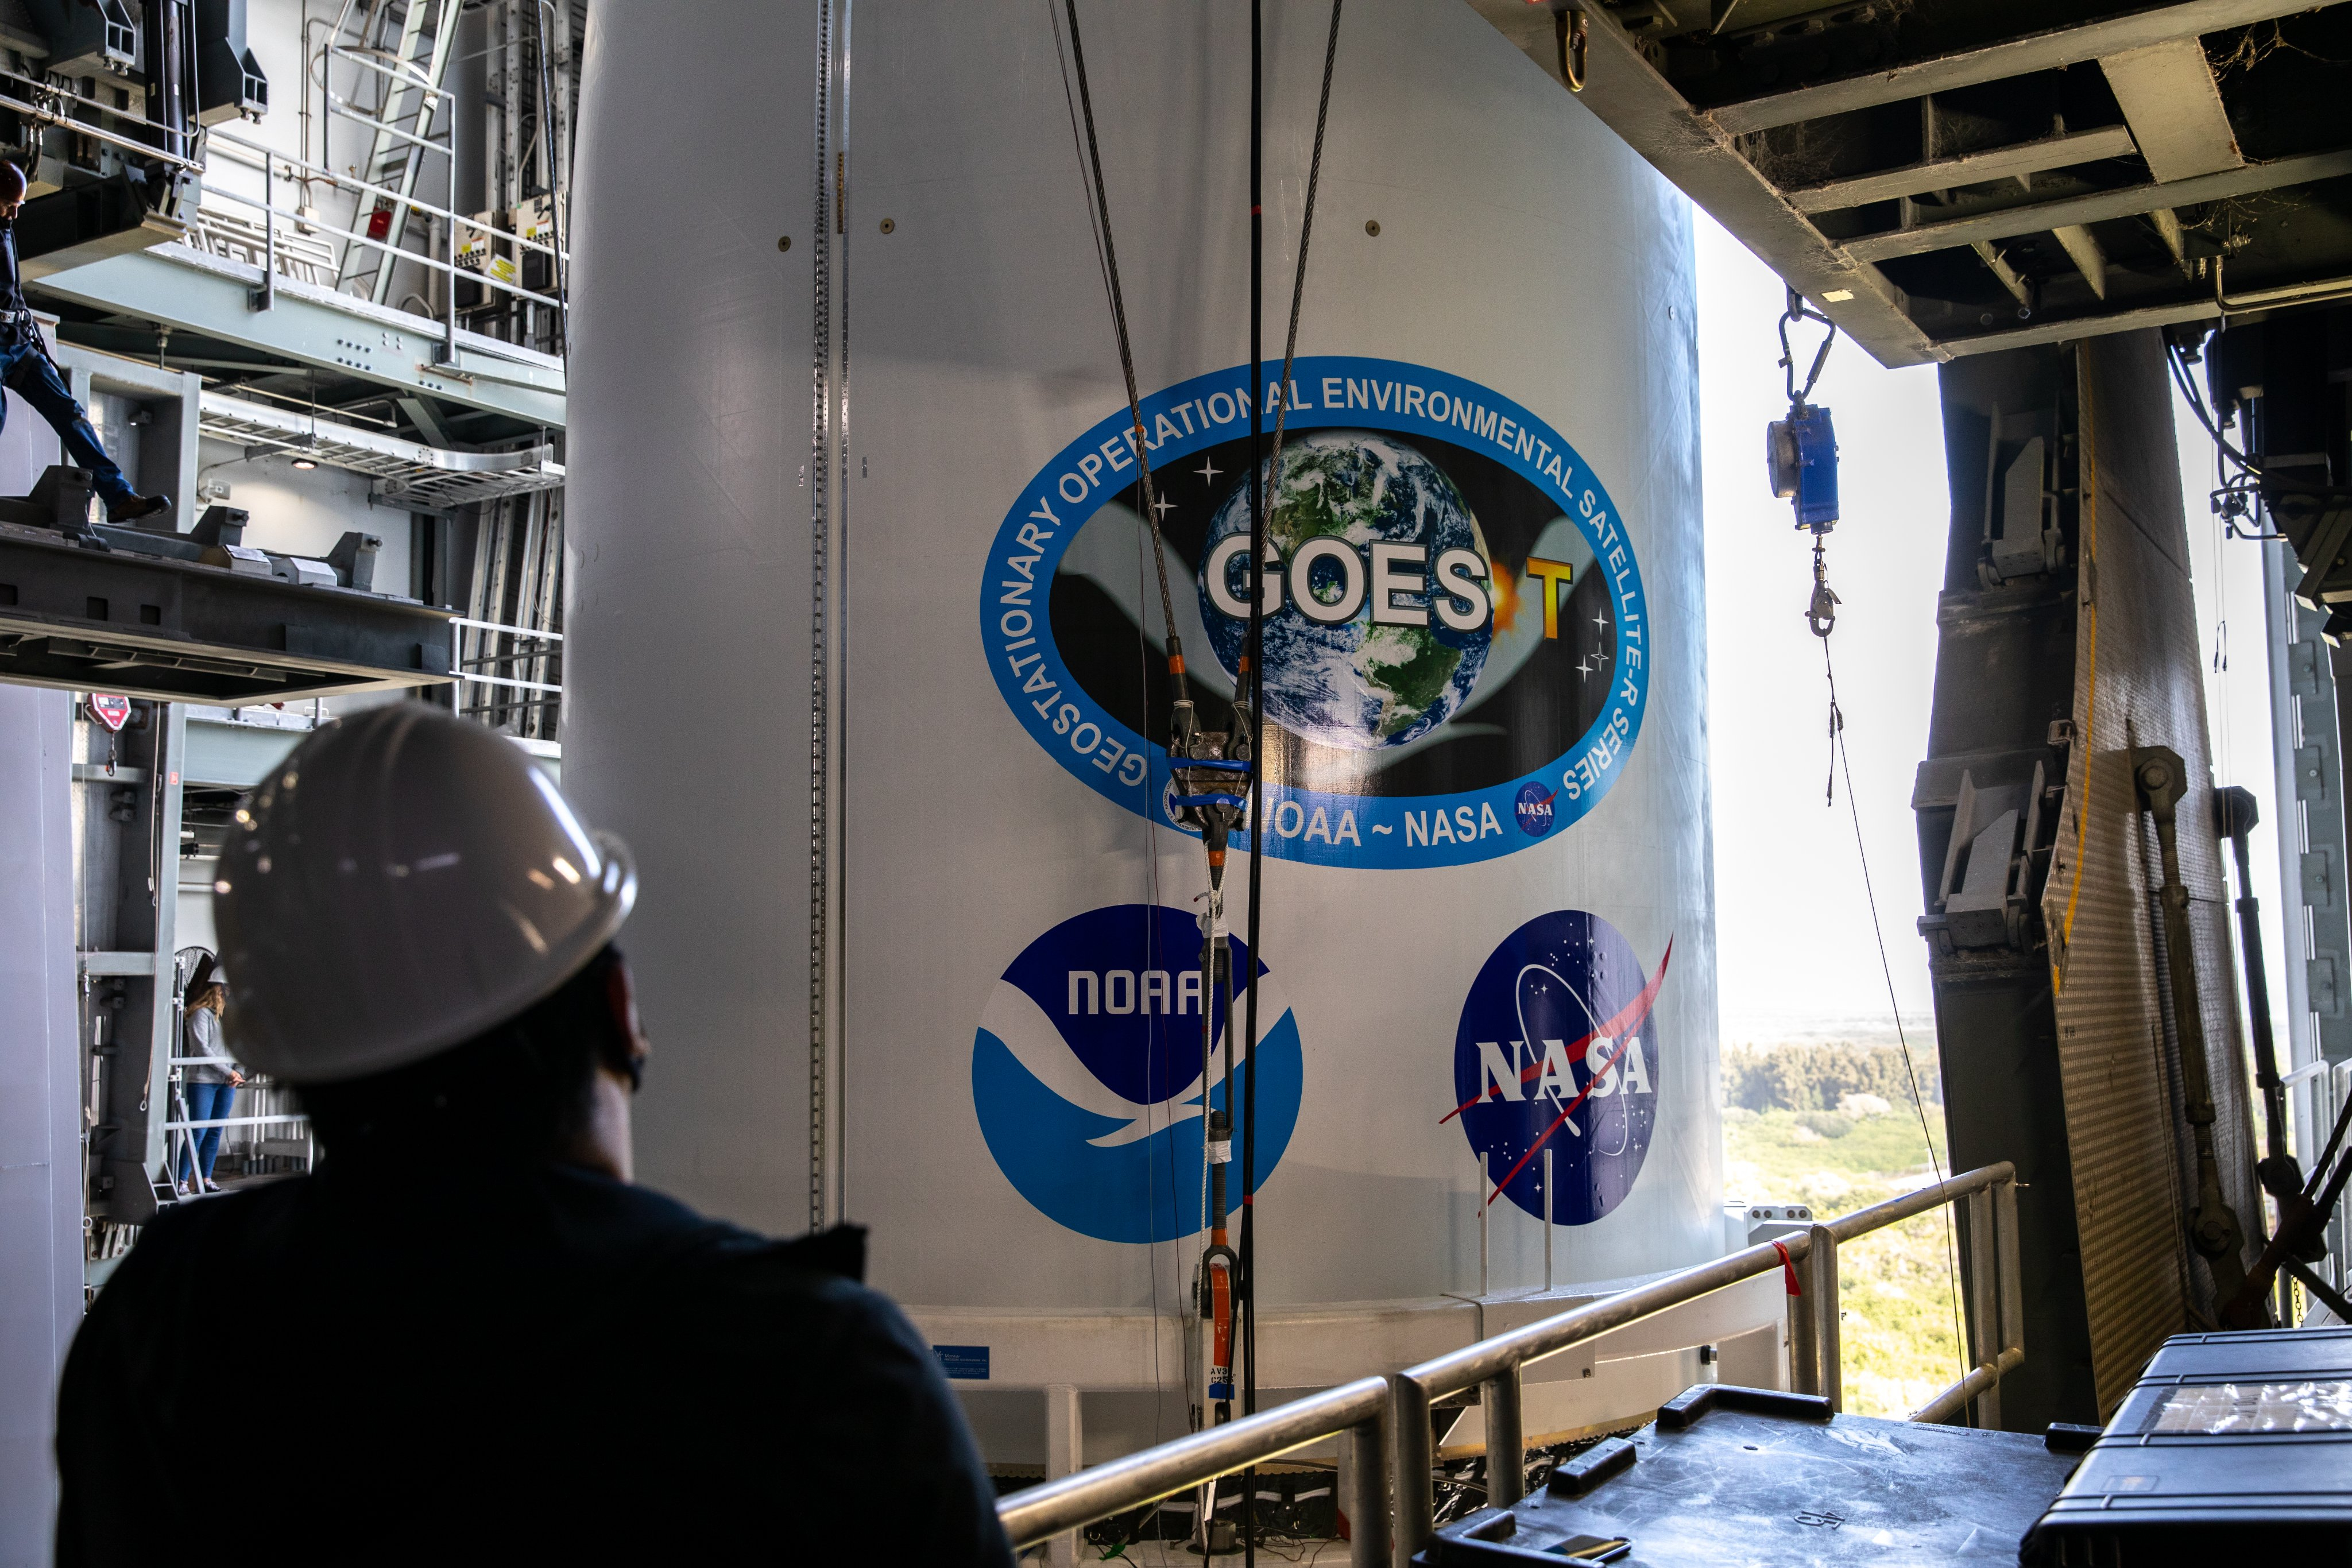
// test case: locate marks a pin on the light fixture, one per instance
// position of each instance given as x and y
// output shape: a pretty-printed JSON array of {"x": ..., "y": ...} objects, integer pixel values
[{"x": 305, "y": 464}]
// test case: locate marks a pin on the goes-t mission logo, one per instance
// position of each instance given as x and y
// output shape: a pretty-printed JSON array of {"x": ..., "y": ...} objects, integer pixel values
[{"x": 1457, "y": 643}]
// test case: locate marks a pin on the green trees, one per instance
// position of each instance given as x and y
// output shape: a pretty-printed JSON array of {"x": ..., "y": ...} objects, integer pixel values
[{"x": 1814, "y": 1077}]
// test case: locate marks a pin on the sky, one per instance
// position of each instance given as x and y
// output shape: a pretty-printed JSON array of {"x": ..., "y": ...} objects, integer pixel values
[{"x": 1799, "y": 959}]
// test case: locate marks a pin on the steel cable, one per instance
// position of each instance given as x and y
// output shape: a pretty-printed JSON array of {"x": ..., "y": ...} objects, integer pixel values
[
  {"x": 1125, "y": 354},
  {"x": 1265, "y": 482}
]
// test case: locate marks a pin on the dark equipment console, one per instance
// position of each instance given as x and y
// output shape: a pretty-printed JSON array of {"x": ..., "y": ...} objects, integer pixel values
[{"x": 1735, "y": 1475}]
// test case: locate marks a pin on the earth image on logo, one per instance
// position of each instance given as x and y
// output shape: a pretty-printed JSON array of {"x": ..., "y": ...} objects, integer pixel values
[{"x": 1357, "y": 685}]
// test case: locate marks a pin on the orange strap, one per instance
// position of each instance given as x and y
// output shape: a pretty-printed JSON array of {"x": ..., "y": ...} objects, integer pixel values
[{"x": 1787, "y": 1270}]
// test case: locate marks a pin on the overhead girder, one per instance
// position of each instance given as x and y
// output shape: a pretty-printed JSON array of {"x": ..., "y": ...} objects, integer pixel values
[
  {"x": 1822, "y": 139},
  {"x": 313, "y": 326}
]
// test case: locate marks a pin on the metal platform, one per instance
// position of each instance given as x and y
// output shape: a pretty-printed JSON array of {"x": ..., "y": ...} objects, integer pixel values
[
  {"x": 309, "y": 324},
  {"x": 78, "y": 617},
  {"x": 422, "y": 478}
]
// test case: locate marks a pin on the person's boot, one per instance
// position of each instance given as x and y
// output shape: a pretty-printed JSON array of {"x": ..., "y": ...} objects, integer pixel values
[{"x": 136, "y": 508}]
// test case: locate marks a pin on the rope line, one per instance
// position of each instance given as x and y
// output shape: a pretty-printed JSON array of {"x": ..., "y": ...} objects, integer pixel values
[{"x": 1885, "y": 967}]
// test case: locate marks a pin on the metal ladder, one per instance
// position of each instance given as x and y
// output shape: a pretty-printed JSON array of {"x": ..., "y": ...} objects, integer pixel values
[{"x": 408, "y": 61}]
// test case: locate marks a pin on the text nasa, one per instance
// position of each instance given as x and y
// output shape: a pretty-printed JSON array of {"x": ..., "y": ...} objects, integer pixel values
[{"x": 1556, "y": 1081}]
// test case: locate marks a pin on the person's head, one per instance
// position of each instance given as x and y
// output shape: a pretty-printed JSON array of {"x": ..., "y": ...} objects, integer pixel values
[
  {"x": 550, "y": 1084},
  {"x": 12, "y": 188},
  {"x": 212, "y": 996},
  {"x": 416, "y": 931}
]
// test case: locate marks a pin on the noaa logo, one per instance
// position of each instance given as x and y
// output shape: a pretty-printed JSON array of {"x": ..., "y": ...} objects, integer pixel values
[
  {"x": 1558, "y": 1050},
  {"x": 1086, "y": 1073},
  {"x": 1534, "y": 810},
  {"x": 1455, "y": 631}
]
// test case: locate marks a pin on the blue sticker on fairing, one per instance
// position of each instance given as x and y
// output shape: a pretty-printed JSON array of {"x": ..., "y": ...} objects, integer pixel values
[
  {"x": 1457, "y": 645},
  {"x": 969, "y": 1361},
  {"x": 1086, "y": 1073},
  {"x": 1558, "y": 1051}
]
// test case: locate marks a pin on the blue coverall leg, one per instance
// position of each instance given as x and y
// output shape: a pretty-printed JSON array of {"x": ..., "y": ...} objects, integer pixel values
[{"x": 27, "y": 371}]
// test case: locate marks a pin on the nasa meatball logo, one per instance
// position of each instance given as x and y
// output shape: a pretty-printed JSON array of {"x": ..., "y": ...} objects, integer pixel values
[
  {"x": 1087, "y": 1078},
  {"x": 1456, "y": 639},
  {"x": 1534, "y": 810},
  {"x": 1558, "y": 1051}
]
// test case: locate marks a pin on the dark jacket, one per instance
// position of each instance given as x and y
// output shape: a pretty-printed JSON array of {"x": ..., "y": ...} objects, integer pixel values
[
  {"x": 16, "y": 320},
  {"x": 521, "y": 1364}
]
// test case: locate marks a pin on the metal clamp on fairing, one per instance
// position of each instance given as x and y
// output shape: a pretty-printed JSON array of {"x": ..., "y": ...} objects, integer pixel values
[{"x": 1210, "y": 769}]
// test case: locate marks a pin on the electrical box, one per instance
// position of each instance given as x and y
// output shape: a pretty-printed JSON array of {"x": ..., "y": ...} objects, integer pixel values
[
  {"x": 534, "y": 219},
  {"x": 474, "y": 241},
  {"x": 2232, "y": 1447}
]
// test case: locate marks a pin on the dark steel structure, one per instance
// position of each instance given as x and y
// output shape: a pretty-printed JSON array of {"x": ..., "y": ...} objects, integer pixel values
[{"x": 1950, "y": 177}]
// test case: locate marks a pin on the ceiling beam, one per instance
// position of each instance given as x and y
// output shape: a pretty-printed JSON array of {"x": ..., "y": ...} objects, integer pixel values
[
  {"x": 2174, "y": 108},
  {"x": 2084, "y": 252},
  {"x": 1630, "y": 97},
  {"x": 2022, "y": 158},
  {"x": 2133, "y": 200},
  {"x": 2057, "y": 330},
  {"x": 2013, "y": 58},
  {"x": 2011, "y": 279}
]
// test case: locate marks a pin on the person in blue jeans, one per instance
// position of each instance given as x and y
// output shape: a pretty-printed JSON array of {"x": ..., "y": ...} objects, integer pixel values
[
  {"x": 212, "y": 1083},
  {"x": 26, "y": 370}
]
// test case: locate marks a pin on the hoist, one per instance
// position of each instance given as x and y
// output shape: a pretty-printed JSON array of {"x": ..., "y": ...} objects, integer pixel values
[{"x": 1800, "y": 453}]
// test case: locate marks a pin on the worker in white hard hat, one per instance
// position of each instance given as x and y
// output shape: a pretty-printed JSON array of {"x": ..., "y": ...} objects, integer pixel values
[{"x": 467, "y": 1337}]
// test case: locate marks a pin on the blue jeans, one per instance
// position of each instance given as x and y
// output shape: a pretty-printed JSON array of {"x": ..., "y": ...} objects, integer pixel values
[
  {"x": 207, "y": 1102},
  {"x": 27, "y": 371}
]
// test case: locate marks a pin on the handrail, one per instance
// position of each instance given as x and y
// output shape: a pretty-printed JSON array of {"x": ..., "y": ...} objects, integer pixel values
[
  {"x": 466, "y": 672},
  {"x": 1041, "y": 1513},
  {"x": 1494, "y": 1365},
  {"x": 1388, "y": 1420},
  {"x": 324, "y": 175},
  {"x": 430, "y": 263}
]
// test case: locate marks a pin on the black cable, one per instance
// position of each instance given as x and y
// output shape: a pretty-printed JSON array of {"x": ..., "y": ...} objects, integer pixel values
[
  {"x": 1248, "y": 688},
  {"x": 1305, "y": 233},
  {"x": 2187, "y": 383},
  {"x": 1261, "y": 476},
  {"x": 1127, "y": 357}
]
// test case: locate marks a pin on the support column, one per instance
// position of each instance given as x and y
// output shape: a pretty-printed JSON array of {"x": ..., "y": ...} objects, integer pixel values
[
  {"x": 1064, "y": 1453},
  {"x": 40, "y": 1147}
]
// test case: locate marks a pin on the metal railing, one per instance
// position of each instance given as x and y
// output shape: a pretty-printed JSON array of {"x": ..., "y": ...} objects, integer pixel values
[
  {"x": 467, "y": 668},
  {"x": 1360, "y": 1408},
  {"x": 1400, "y": 1405},
  {"x": 180, "y": 1130},
  {"x": 267, "y": 160}
]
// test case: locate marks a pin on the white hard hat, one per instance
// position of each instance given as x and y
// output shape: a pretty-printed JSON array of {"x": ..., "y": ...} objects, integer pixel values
[{"x": 402, "y": 882}]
